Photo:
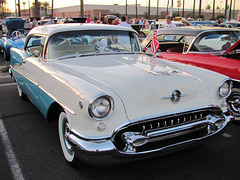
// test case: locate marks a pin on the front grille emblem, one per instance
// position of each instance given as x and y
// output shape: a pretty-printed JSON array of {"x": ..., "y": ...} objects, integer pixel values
[{"x": 175, "y": 96}]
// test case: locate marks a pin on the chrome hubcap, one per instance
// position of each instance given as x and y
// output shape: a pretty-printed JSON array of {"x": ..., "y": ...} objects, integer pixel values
[
  {"x": 235, "y": 103},
  {"x": 66, "y": 134}
]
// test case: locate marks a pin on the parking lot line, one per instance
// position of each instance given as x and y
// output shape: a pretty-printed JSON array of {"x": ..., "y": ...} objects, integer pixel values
[{"x": 10, "y": 155}]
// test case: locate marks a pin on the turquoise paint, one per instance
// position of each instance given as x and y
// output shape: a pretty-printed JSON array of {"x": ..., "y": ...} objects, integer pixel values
[
  {"x": 39, "y": 98},
  {"x": 17, "y": 56}
]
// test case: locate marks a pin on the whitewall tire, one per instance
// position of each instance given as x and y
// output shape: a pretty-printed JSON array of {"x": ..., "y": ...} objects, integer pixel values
[
  {"x": 63, "y": 131},
  {"x": 21, "y": 94}
]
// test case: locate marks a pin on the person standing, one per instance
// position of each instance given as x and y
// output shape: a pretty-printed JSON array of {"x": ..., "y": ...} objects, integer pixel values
[
  {"x": 4, "y": 25},
  {"x": 124, "y": 23},
  {"x": 169, "y": 23}
]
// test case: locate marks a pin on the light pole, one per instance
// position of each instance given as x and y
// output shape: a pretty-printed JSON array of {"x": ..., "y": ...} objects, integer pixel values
[
  {"x": 81, "y": 8},
  {"x": 29, "y": 8}
]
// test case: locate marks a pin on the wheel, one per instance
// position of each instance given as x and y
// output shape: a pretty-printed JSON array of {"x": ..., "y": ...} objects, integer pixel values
[
  {"x": 234, "y": 104},
  {"x": 21, "y": 94},
  {"x": 64, "y": 131}
]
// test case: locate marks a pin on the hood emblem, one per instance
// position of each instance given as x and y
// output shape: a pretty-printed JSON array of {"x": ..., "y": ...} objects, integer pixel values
[{"x": 175, "y": 96}]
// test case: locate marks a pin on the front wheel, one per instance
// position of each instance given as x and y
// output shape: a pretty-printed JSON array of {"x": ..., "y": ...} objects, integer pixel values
[
  {"x": 64, "y": 132},
  {"x": 234, "y": 104},
  {"x": 21, "y": 94}
]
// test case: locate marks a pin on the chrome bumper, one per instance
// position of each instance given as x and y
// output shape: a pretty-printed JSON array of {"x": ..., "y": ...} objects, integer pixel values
[{"x": 104, "y": 152}]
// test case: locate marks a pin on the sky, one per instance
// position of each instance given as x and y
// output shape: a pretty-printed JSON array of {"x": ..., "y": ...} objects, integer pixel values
[{"x": 162, "y": 3}]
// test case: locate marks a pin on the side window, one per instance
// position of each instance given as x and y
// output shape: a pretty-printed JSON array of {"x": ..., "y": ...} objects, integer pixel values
[{"x": 35, "y": 46}]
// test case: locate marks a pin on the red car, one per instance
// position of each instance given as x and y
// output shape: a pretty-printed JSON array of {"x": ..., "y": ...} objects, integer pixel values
[{"x": 215, "y": 49}]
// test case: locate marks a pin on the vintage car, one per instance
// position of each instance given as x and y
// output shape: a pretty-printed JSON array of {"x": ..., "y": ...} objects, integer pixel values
[
  {"x": 203, "y": 23},
  {"x": 204, "y": 48},
  {"x": 158, "y": 25},
  {"x": 114, "y": 103},
  {"x": 230, "y": 24},
  {"x": 14, "y": 38}
]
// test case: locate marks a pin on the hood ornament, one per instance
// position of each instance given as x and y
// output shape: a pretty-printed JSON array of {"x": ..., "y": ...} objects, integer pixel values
[
  {"x": 175, "y": 96},
  {"x": 166, "y": 71}
]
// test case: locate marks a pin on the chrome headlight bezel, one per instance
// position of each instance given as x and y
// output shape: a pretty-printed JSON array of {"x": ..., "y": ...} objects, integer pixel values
[
  {"x": 102, "y": 100},
  {"x": 225, "y": 88}
]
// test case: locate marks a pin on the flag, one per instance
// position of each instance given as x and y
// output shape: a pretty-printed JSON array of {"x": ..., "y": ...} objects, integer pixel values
[{"x": 155, "y": 43}]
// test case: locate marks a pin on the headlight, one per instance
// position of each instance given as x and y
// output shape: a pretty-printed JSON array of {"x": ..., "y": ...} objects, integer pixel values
[
  {"x": 101, "y": 108},
  {"x": 225, "y": 89}
]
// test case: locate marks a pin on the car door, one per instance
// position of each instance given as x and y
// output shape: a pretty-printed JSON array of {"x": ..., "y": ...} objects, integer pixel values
[{"x": 30, "y": 68}]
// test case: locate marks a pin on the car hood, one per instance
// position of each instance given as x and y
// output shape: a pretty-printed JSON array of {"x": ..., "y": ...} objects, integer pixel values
[
  {"x": 15, "y": 24},
  {"x": 144, "y": 84},
  {"x": 235, "y": 46}
]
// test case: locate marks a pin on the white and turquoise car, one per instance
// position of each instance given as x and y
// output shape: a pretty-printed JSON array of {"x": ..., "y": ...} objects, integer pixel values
[{"x": 112, "y": 102}]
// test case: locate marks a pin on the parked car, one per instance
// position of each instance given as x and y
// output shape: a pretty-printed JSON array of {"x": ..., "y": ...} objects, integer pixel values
[
  {"x": 14, "y": 38},
  {"x": 203, "y": 23},
  {"x": 230, "y": 24},
  {"x": 205, "y": 48},
  {"x": 114, "y": 103},
  {"x": 159, "y": 25}
]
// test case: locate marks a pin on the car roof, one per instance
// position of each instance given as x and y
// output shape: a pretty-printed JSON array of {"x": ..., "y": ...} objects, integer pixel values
[
  {"x": 191, "y": 30},
  {"x": 231, "y": 22},
  {"x": 48, "y": 30}
]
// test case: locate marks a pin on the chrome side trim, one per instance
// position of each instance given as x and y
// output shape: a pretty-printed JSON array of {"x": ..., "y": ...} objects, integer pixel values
[
  {"x": 49, "y": 94},
  {"x": 171, "y": 113}
]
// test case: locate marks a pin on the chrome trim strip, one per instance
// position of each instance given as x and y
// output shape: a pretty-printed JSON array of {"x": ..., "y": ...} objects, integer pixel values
[
  {"x": 171, "y": 113},
  {"x": 116, "y": 130},
  {"x": 49, "y": 94},
  {"x": 89, "y": 138}
]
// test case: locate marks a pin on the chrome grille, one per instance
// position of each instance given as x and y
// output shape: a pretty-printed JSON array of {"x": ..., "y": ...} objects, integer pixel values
[{"x": 165, "y": 122}]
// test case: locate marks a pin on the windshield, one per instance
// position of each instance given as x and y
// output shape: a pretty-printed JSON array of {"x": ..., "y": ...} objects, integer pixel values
[
  {"x": 87, "y": 42},
  {"x": 215, "y": 41}
]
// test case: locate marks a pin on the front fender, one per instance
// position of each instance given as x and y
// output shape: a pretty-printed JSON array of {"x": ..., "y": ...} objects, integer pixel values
[{"x": 17, "y": 56}]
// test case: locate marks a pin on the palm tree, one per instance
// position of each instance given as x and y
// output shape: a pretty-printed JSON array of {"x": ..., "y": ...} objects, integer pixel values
[
  {"x": 213, "y": 9},
  {"x": 37, "y": 13},
  {"x": 81, "y": 13},
  {"x": 19, "y": 8},
  {"x": 136, "y": 9},
  {"x": 149, "y": 9},
  {"x": 52, "y": 9},
  {"x": 24, "y": 4},
  {"x": 2, "y": 2},
  {"x": 183, "y": 8},
  {"x": 126, "y": 7},
  {"x": 167, "y": 6},
  {"x": 226, "y": 5},
  {"x": 46, "y": 6},
  {"x": 194, "y": 1},
  {"x": 230, "y": 11},
  {"x": 200, "y": 6}
]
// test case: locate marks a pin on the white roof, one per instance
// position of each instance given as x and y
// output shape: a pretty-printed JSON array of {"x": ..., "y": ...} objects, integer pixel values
[{"x": 48, "y": 30}]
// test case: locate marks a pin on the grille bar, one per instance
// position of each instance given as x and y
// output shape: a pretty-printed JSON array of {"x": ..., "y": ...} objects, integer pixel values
[{"x": 158, "y": 124}]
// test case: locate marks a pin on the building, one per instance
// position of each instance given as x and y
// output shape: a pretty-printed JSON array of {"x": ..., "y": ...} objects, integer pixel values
[{"x": 120, "y": 10}]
